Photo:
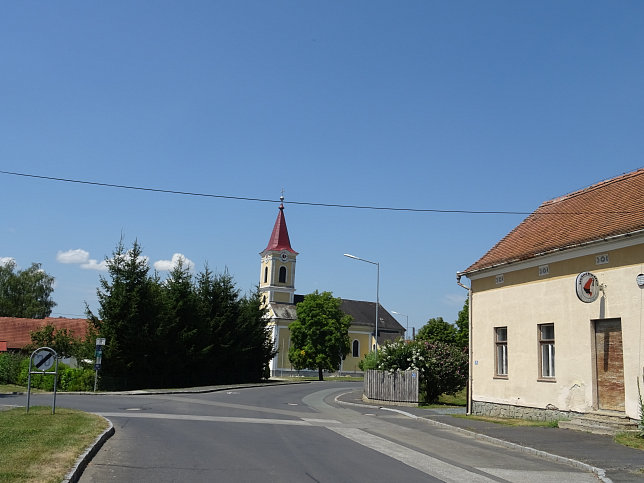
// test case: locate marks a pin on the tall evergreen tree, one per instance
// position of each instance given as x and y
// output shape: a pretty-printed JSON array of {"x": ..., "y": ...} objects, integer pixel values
[
  {"x": 183, "y": 331},
  {"x": 219, "y": 305},
  {"x": 179, "y": 331},
  {"x": 128, "y": 317},
  {"x": 258, "y": 349}
]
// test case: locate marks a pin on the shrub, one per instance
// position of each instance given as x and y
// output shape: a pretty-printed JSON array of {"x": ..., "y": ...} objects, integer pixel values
[
  {"x": 10, "y": 368},
  {"x": 69, "y": 379},
  {"x": 370, "y": 361},
  {"x": 442, "y": 368}
]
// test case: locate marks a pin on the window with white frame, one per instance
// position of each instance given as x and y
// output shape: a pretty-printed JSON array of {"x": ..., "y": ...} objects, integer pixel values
[
  {"x": 547, "y": 351},
  {"x": 501, "y": 346}
]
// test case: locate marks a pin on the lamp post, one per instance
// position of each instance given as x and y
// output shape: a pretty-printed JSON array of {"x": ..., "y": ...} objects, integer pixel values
[
  {"x": 377, "y": 290},
  {"x": 406, "y": 331}
]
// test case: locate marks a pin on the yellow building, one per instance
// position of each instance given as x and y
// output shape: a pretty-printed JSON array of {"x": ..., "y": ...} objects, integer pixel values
[
  {"x": 277, "y": 286},
  {"x": 557, "y": 308}
]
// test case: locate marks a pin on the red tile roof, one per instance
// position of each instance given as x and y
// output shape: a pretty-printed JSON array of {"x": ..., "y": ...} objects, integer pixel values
[
  {"x": 279, "y": 238},
  {"x": 603, "y": 210},
  {"x": 17, "y": 332}
]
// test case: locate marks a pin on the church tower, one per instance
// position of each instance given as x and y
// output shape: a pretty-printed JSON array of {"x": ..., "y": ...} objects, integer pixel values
[{"x": 277, "y": 276}]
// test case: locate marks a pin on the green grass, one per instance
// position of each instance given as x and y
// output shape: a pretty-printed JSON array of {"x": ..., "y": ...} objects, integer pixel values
[
  {"x": 42, "y": 447},
  {"x": 9, "y": 388},
  {"x": 632, "y": 440},
  {"x": 458, "y": 399}
]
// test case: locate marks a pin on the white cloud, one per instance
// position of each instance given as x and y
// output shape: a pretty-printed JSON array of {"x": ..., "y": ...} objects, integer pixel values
[
  {"x": 81, "y": 257},
  {"x": 163, "y": 265},
  {"x": 73, "y": 256},
  {"x": 95, "y": 265},
  {"x": 6, "y": 260}
]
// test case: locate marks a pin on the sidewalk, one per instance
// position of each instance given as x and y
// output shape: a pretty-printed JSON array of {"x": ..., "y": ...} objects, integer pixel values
[{"x": 597, "y": 453}]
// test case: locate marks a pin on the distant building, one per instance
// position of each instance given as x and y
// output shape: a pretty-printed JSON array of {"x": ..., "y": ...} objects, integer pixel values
[
  {"x": 277, "y": 286},
  {"x": 15, "y": 333},
  {"x": 557, "y": 307}
]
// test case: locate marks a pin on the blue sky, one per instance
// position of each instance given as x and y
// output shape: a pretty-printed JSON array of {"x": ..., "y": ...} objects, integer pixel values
[{"x": 474, "y": 106}]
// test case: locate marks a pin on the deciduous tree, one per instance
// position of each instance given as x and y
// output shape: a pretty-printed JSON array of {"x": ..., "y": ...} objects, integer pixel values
[
  {"x": 25, "y": 293},
  {"x": 320, "y": 335},
  {"x": 437, "y": 330},
  {"x": 463, "y": 325}
]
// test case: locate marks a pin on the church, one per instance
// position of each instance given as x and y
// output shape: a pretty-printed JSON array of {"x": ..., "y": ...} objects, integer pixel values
[{"x": 277, "y": 286}]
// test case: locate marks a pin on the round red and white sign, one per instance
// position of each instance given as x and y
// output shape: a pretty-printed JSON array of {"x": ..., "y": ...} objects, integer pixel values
[{"x": 587, "y": 287}]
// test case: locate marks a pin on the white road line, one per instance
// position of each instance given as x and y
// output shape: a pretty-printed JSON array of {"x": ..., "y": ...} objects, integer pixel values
[
  {"x": 420, "y": 461},
  {"x": 223, "y": 419}
]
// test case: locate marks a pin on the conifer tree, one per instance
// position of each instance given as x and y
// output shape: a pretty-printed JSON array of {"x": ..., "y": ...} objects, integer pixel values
[{"x": 128, "y": 317}]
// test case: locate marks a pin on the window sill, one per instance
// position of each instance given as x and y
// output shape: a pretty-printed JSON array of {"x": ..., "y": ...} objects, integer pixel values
[
  {"x": 500, "y": 377},
  {"x": 546, "y": 379}
]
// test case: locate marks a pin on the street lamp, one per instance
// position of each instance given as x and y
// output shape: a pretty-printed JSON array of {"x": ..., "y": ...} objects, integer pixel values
[
  {"x": 406, "y": 332},
  {"x": 377, "y": 290}
]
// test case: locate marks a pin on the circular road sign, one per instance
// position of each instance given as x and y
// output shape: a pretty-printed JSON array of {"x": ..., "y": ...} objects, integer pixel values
[{"x": 43, "y": 360}]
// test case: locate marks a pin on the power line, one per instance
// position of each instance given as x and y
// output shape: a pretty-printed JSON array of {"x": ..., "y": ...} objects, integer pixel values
[
  {"x": 246, "y": 198},
  {"x": 304, "y": 203}
]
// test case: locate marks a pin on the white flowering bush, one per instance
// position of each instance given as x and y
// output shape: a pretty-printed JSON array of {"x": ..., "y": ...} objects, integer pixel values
[{"x": 442, "y": 367}]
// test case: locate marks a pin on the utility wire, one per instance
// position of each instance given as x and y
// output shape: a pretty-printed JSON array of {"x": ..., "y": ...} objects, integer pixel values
[{"x": 305, "y": 203}]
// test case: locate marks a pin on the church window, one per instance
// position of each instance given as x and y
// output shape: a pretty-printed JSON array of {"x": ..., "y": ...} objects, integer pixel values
[
  {"x": 282, "y": 274},
  {"x": 356, "y": 348},
  {"x": 265, "y": 274}
]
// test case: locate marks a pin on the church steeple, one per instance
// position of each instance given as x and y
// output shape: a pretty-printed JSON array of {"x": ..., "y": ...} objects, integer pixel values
[
  {"x": 277, "y": 275},
  {"x": 279, "y": 238}
]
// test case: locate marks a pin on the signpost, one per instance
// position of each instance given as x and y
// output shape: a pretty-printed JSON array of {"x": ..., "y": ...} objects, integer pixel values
[
  {"x": 100, "y": 343},
  {"x": 40, "y": 362}
]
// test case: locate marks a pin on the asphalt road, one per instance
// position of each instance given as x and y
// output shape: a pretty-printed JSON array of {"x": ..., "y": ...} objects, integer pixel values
[{"x": 289, "y": 433}]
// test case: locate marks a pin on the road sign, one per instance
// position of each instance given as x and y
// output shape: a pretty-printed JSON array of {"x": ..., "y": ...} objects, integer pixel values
[
  {"x": 43, "y": 360},
  {"x": 39, "y": 362},
  {"x": 100, "y": 341}
]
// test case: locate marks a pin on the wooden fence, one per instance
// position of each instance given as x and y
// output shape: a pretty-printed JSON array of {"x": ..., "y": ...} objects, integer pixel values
[{"x": 398, "y": 387}]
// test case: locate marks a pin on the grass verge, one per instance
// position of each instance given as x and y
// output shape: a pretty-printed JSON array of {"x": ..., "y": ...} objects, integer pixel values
[
  {"x": 632, "y": 440},
  {"x": 11, "y": 388},
  {"x": 457, "y": 399},
  {"x": 43, "y": 447}
]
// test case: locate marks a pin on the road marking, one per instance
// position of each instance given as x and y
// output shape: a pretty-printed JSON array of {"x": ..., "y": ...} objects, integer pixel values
[
  {"x": 422, "y": 462},
  {"x": 321, "y": 421},
  {"x": 224, "y": 419},
  {"x": 541, "y": 476}
]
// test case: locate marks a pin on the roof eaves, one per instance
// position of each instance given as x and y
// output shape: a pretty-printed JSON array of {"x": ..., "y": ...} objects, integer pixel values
[{"x": 504, "y": 263}]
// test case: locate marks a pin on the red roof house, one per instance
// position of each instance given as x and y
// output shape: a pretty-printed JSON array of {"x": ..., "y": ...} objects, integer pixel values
[{"x": 16, "y": 332}]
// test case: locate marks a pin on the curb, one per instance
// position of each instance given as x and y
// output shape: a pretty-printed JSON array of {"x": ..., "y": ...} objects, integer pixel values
[
  {"x": 599, "y": 472},
  {"x": 81, "y": 463}
]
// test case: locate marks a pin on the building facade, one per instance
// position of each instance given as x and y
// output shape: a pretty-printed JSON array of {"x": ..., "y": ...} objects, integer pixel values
[
  {"x": 277, "y": 288},
  {"x": 557, "y": 308}
]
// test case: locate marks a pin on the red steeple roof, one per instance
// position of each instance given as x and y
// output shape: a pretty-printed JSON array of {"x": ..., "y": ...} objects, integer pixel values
[{"x": 279, "y": 238}]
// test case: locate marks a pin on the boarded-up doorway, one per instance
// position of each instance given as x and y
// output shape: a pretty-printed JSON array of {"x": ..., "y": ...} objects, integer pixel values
[{"x": 609, "y": 364}]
